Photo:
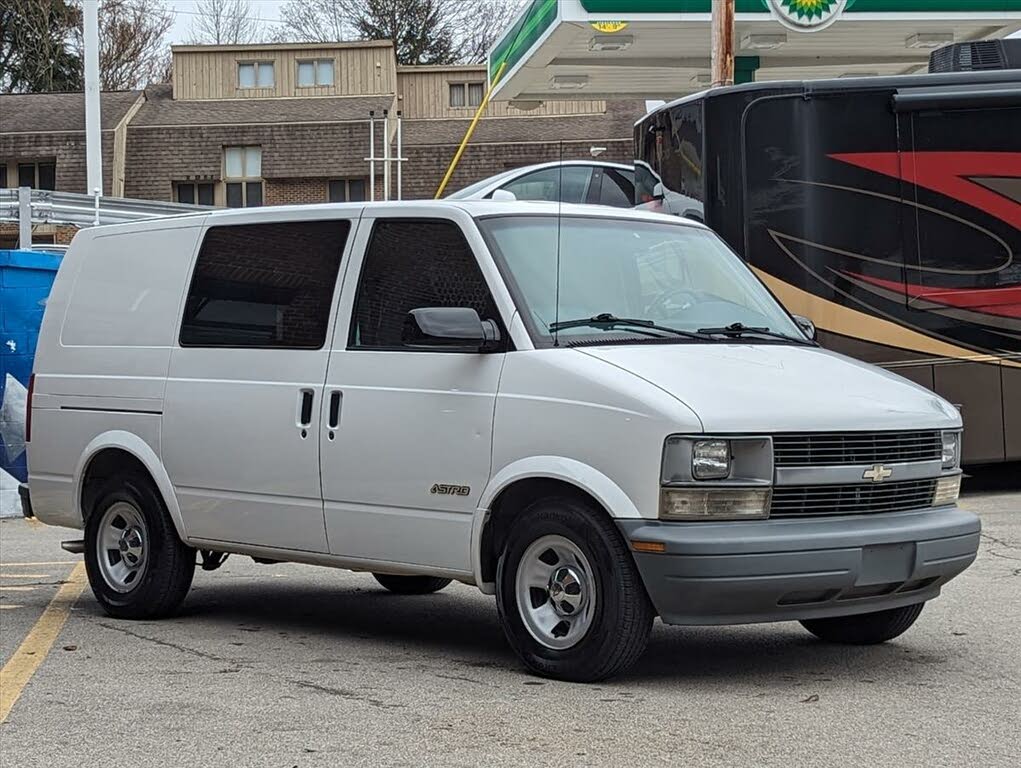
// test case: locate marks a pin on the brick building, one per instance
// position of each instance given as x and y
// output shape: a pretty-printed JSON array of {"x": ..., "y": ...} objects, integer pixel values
[{"x": 289, "y": 123}]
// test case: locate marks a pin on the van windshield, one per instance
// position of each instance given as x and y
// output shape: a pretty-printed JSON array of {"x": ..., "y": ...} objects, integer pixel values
[{"x": 628, "y": 280}]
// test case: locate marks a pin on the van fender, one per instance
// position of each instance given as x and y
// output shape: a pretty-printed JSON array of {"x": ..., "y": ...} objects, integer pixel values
[
  {"x": 589, "y": 479},
  {"x": 141, "y": 450}
]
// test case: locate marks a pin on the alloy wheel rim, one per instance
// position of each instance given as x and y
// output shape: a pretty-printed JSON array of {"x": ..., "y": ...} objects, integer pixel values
[
  {"x": 556, "y": 592},
  {"x": 122, "y": 547}
]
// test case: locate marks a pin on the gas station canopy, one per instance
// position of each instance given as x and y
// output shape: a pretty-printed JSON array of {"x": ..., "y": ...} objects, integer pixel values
[{"x": 660, "y": 49}]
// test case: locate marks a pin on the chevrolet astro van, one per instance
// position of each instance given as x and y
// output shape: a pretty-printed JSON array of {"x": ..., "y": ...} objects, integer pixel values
[{"x": 599, "y": 416}]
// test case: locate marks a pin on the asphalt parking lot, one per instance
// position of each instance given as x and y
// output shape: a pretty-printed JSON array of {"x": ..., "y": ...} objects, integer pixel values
[{"x": 288, "y": 665}]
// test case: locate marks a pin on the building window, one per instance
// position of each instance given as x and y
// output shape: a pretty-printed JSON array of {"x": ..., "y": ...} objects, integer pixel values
[
  {"x": 255, "y": 74},
  {"x": 466, "y": 94},
  {"x": 347, "y": 191},
  {"x": 41, "y": 175},
  {"x": 3, "y": 175},
  {"x": 264, "y": 285},
  {"x": 243, "y": 174},
  {"x": 201, "y": 192},
  {"x": 316, "y": 72},
  {"x": 409, "y": 264}
]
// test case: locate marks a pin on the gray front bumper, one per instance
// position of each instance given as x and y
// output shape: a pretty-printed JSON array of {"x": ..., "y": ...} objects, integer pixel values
[{"x": 779, "y": 570}]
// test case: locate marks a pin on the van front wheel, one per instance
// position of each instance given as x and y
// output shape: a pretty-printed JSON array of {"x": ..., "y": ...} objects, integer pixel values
[
  {"x": 865, "y": 628},
  {"x": 138, "y": 568},
  {"x": 570, "y": 598}
]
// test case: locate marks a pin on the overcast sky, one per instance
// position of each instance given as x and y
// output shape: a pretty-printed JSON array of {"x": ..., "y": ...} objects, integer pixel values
[{"x": 268, "y": 10}]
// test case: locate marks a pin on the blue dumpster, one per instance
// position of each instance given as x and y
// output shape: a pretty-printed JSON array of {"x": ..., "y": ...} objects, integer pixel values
[{"x": 25, "y": 281}]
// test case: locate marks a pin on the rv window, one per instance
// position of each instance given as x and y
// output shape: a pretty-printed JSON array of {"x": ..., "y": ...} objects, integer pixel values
[{"x": 264, "y": 285}]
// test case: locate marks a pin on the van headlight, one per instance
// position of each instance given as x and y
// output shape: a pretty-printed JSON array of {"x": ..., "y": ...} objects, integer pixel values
[
  {"x": 716, "y": 478},
  {"x": 710, "y": 459},
  {"x": 714, "y": 503},
  {"x": 951, "y": 449}
]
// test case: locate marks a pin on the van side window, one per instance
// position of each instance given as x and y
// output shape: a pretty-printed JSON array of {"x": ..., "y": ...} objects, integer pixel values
[
  {"x": 264, "y": 285},
  {"x": 409, "y": 264}
]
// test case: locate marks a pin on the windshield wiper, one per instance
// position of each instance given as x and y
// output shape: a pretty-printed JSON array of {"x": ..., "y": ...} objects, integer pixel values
[
  {"x": 607, "y": 322},
  {"x": 737, "y": 330}
]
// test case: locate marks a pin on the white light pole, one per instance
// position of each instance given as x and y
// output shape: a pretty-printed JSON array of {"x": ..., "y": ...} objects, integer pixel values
[{"x": 93, "y": 135}]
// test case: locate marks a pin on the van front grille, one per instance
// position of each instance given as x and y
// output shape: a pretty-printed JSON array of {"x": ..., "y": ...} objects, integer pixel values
[
  {"x": 821, "y": 449},
  {"x": 820, "y": 500}
]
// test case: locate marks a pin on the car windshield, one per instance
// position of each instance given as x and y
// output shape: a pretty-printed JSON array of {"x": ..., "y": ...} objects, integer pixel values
[{"x": 624, "y": 279}]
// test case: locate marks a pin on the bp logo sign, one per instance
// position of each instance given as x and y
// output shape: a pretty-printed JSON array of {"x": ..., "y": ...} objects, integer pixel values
[{"x": 806, "y": 15}]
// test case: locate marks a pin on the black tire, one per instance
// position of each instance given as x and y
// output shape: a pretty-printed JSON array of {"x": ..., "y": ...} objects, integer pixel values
[
  {"x": 865, "y": 628},
  {"x": 411, "y": 585},
  {"x": 622, "y": 618},
  {"x": 169, "y": 563}
]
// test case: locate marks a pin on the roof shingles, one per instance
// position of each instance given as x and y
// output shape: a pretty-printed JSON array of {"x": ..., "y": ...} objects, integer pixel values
[
  {"x": 160, "y": 109},
  {"x": 51, "y": 112}
]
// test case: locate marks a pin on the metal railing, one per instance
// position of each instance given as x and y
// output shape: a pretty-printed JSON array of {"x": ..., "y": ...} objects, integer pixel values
[{"x": 33, "y": 206}]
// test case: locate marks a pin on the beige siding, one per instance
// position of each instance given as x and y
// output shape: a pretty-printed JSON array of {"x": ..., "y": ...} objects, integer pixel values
[
  {"x": 426, "y": 94},
  {"x": 214, "y": 74}
]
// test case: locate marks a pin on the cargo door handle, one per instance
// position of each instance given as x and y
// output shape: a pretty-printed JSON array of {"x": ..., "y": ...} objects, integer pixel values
[
  {"x": 305, "y": 414},
  {"x": 334, "y": 418}
]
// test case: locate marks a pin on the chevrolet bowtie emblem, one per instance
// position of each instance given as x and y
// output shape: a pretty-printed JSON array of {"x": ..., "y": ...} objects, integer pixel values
[{"x": 877, "y": 473}]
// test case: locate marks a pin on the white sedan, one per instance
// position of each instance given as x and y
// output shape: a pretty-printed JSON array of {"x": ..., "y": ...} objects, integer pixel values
[{"x": 570, "y": 181}]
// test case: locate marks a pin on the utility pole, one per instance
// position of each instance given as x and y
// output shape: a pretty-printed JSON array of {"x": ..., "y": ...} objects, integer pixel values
[
  {"x": 93, "y": 134},
  {"x": 723, "y": 43}
]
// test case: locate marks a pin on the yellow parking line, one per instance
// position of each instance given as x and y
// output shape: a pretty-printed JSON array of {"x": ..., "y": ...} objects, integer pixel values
[
  {"x": 37, "y": 643},
  {"x": 25, "y": 576},
  {"x": 34, "y": 565},
  {"x": 10, "y": 607}
]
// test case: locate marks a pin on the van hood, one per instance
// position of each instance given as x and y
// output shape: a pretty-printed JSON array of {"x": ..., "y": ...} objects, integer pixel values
[{"x": 781, "y": 388}]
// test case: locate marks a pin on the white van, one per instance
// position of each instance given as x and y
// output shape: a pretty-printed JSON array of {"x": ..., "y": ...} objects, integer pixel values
[{"x": 599, "y": 416}]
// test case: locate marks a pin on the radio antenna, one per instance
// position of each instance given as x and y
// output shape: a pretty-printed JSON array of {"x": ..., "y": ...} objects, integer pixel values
[{"x": 560, "y": 210}]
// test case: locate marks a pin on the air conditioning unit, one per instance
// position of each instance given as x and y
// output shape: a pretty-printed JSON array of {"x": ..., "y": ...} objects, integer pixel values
[{"x": 977, "y": 56}]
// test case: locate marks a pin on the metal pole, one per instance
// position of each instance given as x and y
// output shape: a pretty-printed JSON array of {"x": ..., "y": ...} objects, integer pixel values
[
  {"x": 372, "y": 155},
  {"x": 723, "y": 43},
  {"x": 93, "y": 135},
  {"x": 468, "y": 134},
  {"x": 400, "y": 155},
  {"x": 386, "y": 154},
  {"x": 24, "y": 218},
  {"x": 97, "y": 196}
]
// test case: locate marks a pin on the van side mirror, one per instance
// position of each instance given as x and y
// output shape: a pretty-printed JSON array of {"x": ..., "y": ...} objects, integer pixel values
[
  {"x": 451, "y": 328},
  {"x": 658, "y": 193},
  {"x": 807, "y": 326}
]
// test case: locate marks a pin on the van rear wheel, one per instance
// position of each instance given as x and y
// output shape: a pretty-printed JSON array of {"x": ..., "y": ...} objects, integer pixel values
[
  {"x": 138, "y": 568},
  {"x": 411, "y": 585},
  {"x": 570, "y": 597}
]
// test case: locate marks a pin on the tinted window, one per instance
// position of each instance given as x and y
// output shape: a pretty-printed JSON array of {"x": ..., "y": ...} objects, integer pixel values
[
  {"x": 264, "y": 285},
  {"x": 546, "y": 184},
  {"x": 616, "y": 189},
  {"x": 414, "y": 263}
]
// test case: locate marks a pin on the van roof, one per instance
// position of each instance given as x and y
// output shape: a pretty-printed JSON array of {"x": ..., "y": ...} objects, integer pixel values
[{"x": 474, "y": 208}]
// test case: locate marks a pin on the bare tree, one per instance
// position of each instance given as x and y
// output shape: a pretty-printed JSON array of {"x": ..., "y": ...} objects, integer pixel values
[
  {"x": 316, "y": 21},
  {"x": 226, "y": 22},
  {"x": 478, "y": 25},
  {"x": 422, "y": 30},
  {"x": 132, "y": 42}
]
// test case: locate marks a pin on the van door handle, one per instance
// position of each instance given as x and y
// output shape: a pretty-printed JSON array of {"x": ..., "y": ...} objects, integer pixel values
[
  {"x": 305, "y": 416},
  {"x": 334, "y": 418}
]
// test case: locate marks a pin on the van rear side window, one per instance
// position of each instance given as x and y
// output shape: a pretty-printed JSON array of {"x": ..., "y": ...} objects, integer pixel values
[{"x": 264, "y": 285}]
